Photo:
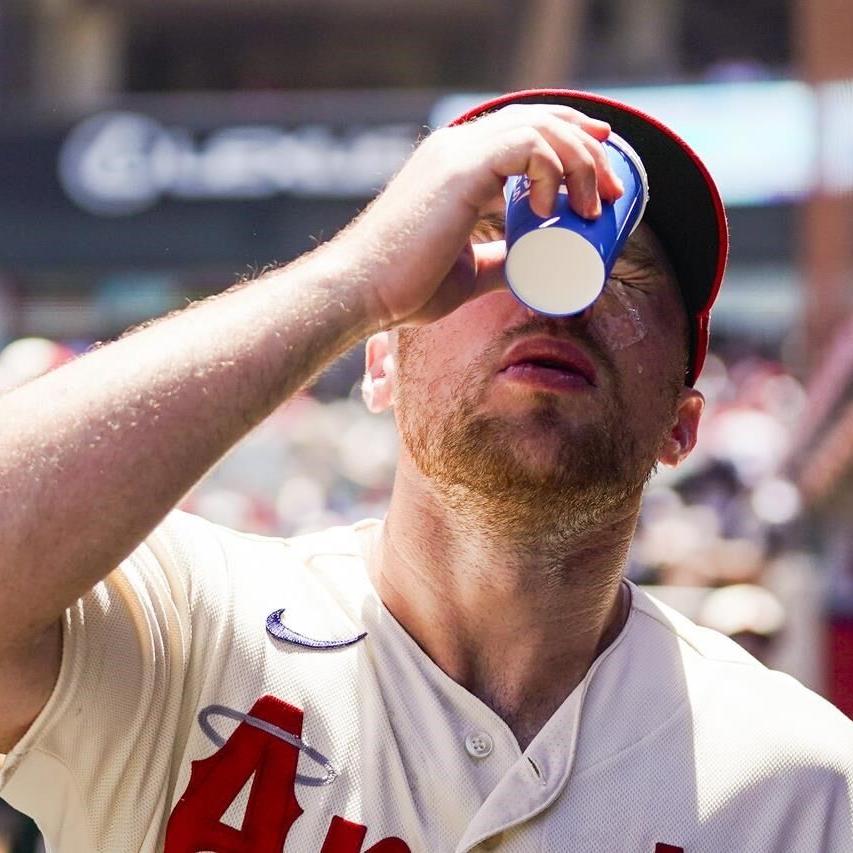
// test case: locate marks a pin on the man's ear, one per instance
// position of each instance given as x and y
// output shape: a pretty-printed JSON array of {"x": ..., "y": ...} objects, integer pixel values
[
  {"x": 377, "y": 384},
  {"x": 685, "y": 429}
]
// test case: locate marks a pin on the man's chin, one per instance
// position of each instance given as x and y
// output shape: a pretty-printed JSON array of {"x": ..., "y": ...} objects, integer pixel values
[
  {"x": 509, "y": 465},
  {"x": 545, "y": 409},
  {"x": 538, "y": 460}
]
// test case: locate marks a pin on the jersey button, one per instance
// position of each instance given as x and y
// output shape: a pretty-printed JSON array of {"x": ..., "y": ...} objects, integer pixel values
[{"x": 479, "y": 744}]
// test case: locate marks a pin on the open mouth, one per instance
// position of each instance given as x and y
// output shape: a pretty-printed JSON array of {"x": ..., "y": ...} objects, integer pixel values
[
  {"x": 550, "y": 362},
  {"x": 546, "y": 373}
]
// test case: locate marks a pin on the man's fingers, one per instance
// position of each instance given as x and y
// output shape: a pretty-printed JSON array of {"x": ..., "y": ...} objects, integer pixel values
[
  {"x": 525, "y": 151},
  {"x": 579, "y": 166},
  {"x": 559, "y": 144},
  {"x": 589, "y": 175},
  {"x": 582, "y": 184},
  {"x": 609, "y": 183},
  {"x": 596, "y": 128},
  {"x": 545, "y": 170}
]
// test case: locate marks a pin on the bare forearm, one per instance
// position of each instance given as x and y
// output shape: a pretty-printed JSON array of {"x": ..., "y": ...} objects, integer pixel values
[{"x": 93, "y": 455}]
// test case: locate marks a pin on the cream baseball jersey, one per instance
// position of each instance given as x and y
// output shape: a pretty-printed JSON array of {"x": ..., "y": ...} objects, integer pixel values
[{"x": 231, "y": 693}]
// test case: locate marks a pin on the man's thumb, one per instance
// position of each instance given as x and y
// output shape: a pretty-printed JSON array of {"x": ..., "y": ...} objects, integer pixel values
[{"x": 489, "y": 261}]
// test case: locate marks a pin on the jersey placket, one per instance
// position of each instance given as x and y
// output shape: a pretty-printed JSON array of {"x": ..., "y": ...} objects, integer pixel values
[
  {"x": 456, "y": 748},
  {"x": 533, "y": 782}
]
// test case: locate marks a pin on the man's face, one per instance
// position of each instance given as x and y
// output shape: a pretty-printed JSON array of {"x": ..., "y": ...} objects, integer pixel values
[{"x": 572, "y": 411}]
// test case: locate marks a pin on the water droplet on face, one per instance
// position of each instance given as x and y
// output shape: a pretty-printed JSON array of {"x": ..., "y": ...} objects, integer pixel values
[
  {"x": 617, "y": 320},
  {"x": 639, "y": 368}
]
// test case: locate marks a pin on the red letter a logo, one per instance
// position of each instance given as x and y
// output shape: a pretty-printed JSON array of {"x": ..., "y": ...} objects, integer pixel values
[
  {"x": 347, "y": 837},
  {"x": 195, "y": 823}
]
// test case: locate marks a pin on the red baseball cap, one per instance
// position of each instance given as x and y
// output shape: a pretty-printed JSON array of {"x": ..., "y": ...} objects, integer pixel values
[{"x": 685, "y": 210}]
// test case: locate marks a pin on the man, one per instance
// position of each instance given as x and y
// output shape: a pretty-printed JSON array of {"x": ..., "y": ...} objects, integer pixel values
[{"x": 471, "y": 673}]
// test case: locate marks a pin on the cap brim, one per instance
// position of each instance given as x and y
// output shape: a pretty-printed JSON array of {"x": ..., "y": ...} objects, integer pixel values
[{"x": 685, "y": 209}]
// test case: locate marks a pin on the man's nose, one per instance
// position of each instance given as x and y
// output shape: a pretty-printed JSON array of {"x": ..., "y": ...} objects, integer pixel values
[{"x": 580, "y": 318}]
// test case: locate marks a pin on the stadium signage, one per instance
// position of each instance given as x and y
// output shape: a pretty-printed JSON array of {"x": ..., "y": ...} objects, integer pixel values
[{"x": 121, "y": 163}]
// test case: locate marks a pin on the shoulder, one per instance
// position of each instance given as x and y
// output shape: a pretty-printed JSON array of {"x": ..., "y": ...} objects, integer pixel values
[
  {"x": 228, "y": 577},
  {"x": 185, "y": 542},
  {"x": 729, "y": 690}
]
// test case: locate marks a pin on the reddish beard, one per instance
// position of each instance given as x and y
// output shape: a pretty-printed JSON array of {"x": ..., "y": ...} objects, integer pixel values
[{"x": 540, "y": 471}]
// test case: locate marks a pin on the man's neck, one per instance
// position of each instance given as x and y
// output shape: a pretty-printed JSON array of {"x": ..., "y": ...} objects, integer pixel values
[{"x": 517, "y": 625}]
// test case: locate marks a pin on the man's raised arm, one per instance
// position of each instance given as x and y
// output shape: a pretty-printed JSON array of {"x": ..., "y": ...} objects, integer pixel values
[{"x": 95, "y": 454}]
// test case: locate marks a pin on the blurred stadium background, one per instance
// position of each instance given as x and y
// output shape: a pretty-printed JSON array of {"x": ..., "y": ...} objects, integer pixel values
[{"x": 152, "y": 151}]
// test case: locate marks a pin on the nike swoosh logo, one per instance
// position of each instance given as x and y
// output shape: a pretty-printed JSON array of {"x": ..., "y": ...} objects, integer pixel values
[{"x": 277, "y": 628}]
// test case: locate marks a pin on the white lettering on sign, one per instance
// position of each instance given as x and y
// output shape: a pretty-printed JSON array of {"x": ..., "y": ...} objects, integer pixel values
[{"x": 120, "y": 163}]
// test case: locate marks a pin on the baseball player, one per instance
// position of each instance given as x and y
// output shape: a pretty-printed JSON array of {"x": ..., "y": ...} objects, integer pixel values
[{"x": 472, "y": 672}]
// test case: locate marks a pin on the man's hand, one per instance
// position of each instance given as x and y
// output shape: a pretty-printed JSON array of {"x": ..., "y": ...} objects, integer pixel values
[{"x": 411, "y": 249}]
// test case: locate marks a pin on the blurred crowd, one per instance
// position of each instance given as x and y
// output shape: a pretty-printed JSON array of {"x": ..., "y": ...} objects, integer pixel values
[
  {"x": 719, "y": 519},
  {"x": 721, "y": 537}
]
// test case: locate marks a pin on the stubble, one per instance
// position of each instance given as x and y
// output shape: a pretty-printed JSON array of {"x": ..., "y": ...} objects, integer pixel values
[{"x": 481, "y": 466}]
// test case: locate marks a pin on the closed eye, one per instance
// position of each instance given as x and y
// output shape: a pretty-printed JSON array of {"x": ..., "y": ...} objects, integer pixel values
[
  {"x": 618, "y": 279},
  {"x": 636, "y": 281}
]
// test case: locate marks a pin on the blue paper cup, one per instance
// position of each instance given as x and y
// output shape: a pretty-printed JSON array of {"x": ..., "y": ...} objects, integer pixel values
[{"x": 558, "y": 266}]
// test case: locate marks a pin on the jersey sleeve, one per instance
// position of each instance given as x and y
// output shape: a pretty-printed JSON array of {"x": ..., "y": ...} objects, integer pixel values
[{"x": 95, "y": 770}]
